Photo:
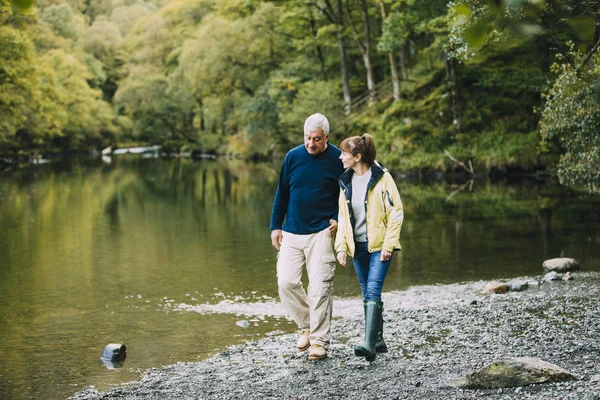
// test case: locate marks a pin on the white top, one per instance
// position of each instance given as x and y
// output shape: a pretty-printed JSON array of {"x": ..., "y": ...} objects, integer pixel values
[{"x": 359, "y": 196}]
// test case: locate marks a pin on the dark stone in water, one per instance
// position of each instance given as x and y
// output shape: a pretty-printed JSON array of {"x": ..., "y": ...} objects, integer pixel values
[
  {"x": 114, "y": 352},
  {"x": 109, "y": 364}
]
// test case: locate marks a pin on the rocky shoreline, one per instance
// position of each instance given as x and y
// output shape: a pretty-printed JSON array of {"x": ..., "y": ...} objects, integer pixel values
[{"x": 435, "y": 334}]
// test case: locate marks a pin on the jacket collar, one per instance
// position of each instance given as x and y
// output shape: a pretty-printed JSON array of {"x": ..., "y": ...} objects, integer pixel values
[{"x": 377, "y": 171}]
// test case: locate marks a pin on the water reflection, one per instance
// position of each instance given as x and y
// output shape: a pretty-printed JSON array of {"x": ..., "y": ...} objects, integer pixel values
[{"x": 92, "y": 253}]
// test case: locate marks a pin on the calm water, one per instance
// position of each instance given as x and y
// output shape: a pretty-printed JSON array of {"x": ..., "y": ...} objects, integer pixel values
[{"x": 94, "y": 253}]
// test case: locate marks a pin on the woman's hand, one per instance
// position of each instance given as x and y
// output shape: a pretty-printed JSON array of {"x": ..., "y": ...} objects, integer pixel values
[
  {"x": 385, "y": 255},
  {"x": 333, "y": 227},
  {"x": 341, "y": 256}
]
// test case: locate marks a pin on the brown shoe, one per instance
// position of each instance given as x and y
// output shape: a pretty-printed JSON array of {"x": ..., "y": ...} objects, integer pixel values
[
  {"x": 317, "y": 352},
  {"x": 303, "y": 340}
]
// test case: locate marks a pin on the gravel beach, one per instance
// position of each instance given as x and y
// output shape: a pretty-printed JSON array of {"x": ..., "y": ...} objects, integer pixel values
[{"x": 435, "y": 334}]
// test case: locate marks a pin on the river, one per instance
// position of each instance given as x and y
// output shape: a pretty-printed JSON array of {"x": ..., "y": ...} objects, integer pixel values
[{"x": 95, "y": 252}]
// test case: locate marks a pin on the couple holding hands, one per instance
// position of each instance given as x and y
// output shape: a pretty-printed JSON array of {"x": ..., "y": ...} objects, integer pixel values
[{"x": 325, "y": 208}]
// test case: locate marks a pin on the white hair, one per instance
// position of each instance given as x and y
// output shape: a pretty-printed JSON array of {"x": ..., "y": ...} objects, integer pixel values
[{"x": 315, "y": 122}]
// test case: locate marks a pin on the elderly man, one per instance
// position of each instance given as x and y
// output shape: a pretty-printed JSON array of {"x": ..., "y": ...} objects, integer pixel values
[{"x": 306, "y": 199}]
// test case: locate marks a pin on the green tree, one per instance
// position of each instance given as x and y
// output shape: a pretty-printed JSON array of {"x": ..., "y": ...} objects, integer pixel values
[
  {"x": 572, "y": 116},
  {"x": 103, "y": 40},
  {"x": 17, "y": 80},
  {"x": 72, "y": 115},
  {"x": 60, "y": 19},
  {"x": 125, "y": 17}
]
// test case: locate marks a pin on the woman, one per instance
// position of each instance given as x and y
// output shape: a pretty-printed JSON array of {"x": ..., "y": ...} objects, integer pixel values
[{"x": 369, "y": 222}]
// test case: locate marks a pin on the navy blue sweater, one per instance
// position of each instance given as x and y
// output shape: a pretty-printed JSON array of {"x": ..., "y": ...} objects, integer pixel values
[{"x": 308, "y": 190}]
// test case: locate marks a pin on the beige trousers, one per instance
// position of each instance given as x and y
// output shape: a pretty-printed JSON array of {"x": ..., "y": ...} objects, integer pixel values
[{"x": 312, "y": 312}]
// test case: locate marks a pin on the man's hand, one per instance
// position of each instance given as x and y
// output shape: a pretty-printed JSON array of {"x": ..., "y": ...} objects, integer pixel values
[
  {"x": 342, "y": 256},
  {"x": 385, "y": 255},
  {"x": 333, "y": 225},
  {"x": 276, "y": 236}
]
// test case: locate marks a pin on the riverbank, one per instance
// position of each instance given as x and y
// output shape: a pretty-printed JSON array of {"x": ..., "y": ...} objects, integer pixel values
[{"x": 435, "y": 334}]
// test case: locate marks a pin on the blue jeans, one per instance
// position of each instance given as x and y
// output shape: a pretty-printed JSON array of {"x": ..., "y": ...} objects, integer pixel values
[{"x": 370, "y": 271}]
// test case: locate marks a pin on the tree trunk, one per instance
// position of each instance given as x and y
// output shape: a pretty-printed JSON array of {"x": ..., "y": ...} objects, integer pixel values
[
  {"x": 451, "y": 72},
  {"x": 393, "y": 66},
  {"x": 343, "y": 59},
  {"x": 395, "y": 80},
  {"x": 367, "y": 52},
  {"x": 405, "y": 62},
  {"x": 319, "y": 50},
  {"x": 364, "y": 46},
  {"x": 344, "y": 68},
  {"x": 336, "y": 17},
  {"x": 201, "y": 114}
]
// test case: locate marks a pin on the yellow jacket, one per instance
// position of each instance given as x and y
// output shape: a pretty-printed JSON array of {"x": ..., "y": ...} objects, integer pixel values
[{"x": 383, "y": 212}]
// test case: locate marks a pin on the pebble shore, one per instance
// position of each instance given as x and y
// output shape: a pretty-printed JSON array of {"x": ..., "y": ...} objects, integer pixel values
[{"x": 435, "y": 334}]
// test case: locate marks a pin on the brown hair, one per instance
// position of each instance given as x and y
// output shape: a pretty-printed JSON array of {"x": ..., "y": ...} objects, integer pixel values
[{"x": 364, "y": 145}]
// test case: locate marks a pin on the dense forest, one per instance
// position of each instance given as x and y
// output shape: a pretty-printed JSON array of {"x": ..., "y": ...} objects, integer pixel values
[{"x": 476, "y": 85}]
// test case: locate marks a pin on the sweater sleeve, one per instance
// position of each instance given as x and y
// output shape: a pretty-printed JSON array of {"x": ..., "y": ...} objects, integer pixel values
[{"x": 282, "y": 197}]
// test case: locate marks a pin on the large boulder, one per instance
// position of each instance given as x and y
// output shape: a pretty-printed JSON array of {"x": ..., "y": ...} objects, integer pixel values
[
  {"x": 561, "y": 264},
  {"x": 513, "y": 372}
]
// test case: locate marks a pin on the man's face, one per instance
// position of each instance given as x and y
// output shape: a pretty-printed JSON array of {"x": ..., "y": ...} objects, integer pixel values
[{"x": 315, "y": 142}]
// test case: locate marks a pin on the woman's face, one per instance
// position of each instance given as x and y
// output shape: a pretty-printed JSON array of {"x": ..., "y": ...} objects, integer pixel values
[{"x": 349, "y": 160}]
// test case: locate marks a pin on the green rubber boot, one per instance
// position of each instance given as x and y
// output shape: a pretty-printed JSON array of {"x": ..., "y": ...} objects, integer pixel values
[
  {"x": 373, "y": 311},
  {"x": 380, "y": 346}
]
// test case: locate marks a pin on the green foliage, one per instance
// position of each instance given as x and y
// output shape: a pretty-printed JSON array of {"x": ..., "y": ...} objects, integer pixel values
[
  {"x": 312, "y": 97},
  {"x": 126, "y": 17},
  {"x": 410, "y": 21},
  {"x": 23, "y": 4},
  {"x": 17, "y": 79},
  {"x": 71, "y": 111},
  {"x": 60, "y": 19},
  {"x": 477, "y": 22},
  {"x": 572, "y": 116},
  {"x": 241, "y": 76},
  {"x": 103, "y": 38}
]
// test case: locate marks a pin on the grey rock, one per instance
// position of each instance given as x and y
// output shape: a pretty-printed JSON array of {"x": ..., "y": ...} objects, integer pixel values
[
  {"x": 495, "y": 287},
  {"x": 114, "y": 352},
  {"x": 243, "y": 323},
  {"x": 561, "y": 264},
  {"x": 513, "y": 372},
  {"x": 517, "y": 286},
  {"x": 552, "y": 276}
]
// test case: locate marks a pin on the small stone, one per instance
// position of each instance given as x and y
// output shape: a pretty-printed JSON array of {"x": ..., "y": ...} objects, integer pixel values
[
  {"x": 552, "y": 276},
  {"x": 517, "y": 286},
  {"x": 114, "y": 351},
  {"x": 495, "y": 287},
  {"x": 243, "y": 323},
  {"x": 114, "y": 355}
]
